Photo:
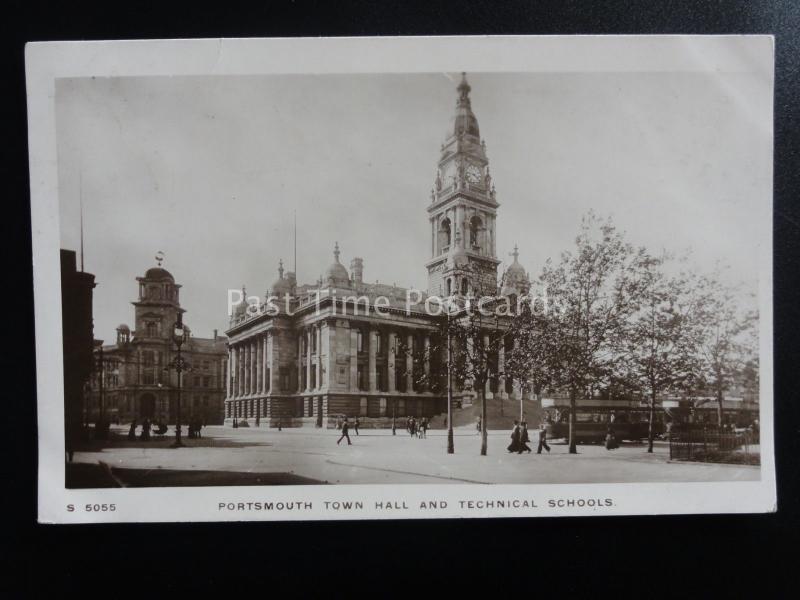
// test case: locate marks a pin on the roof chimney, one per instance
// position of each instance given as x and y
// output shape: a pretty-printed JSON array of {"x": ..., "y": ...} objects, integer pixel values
[{"x": 357, "y": 270}]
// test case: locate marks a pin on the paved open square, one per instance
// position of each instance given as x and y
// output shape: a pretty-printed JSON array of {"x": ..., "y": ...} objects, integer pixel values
[{"x": 253, "y": 456}]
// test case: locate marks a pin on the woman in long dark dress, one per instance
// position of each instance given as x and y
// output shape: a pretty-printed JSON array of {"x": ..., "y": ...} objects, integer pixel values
[{"x": 524, "y": 439}]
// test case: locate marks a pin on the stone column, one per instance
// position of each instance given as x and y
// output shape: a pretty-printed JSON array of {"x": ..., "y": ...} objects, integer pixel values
[
  {"x": 410, "y": 364},
  {"x": 259, "y": 363},
  {"x": 250, "y": 365},
  {"x": 228, "y": 387},
  {"x": 390, "y": 362},
  {"x": 433, "y": 237},
  {"x": 459, "y": 218},
  {"x": 264, "y": 365},
  {"x": 240, "y": 371},
  {"x": 373, "y": 351},
  {"x": 319, "y": 356},
  {"x": 271, "y": 362},
  {"x": 309, "y": 333},
  {"x": 300, "y": 382},
  {"x": 427, "y": 358},
  {"x": 353, "y": 360}
]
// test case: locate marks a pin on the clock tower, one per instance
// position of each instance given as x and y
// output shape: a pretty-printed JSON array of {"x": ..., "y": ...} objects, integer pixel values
[{"x": 463, "y": 210}]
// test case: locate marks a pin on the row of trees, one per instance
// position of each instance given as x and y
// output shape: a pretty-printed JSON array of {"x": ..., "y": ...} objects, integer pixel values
[{"x": 608, "y": 316}]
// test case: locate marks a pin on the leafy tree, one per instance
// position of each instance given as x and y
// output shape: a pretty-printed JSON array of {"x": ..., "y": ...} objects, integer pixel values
[
  {"x": 592, "y": 293},
  {"x": 728, "y": 335},
  {"x": 660, "y": 338}
]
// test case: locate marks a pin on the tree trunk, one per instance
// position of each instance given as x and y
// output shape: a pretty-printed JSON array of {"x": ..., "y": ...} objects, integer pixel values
[
  {"x": 719, "y": 407},
  {"x": 650, "y": 421},
  {"x": 484, "y": 424},
  {"x": 573, "y": 447}
]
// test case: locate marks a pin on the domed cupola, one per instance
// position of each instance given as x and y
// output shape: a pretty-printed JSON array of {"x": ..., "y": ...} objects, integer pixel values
[
  {"x": 337, "y": 275},
  {"x": 516, "y": 279},
  {"x": 159, "y": 274},
  {"x": 282, "y": 285}
]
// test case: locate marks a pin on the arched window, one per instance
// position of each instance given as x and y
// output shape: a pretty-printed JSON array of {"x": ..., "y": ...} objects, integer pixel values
[
  {"x": 444, "y": 234},
  {"x": 475, "y": 225},
  {"x": 151, "y": 329},
  {"x": 464, "y": 286},
  {"x": 449, "y": 286}
]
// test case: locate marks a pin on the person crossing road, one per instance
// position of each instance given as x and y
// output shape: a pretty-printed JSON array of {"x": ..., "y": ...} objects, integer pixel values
[{"x": 345, "y": 434}]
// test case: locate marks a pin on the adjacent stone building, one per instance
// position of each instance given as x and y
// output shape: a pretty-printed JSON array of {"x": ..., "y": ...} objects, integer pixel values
[
  {"x": 78, "y": 339},
  {"x": 327, "y": 352},
  {"x": 138, "y": 376}
]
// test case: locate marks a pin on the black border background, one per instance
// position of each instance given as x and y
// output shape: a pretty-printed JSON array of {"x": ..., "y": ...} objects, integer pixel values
[{"x": 611, "y": 555}]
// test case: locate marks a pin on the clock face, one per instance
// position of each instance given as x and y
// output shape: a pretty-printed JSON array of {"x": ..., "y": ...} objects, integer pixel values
[{"x": 473, "y": 174}]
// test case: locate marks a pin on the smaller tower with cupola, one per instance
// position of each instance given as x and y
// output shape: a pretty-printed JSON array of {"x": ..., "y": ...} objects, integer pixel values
[{"x": 158, "y": 304}]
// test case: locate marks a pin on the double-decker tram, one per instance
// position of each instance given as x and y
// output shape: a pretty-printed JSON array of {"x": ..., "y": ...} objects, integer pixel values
[{"x": 628, "y": 418}]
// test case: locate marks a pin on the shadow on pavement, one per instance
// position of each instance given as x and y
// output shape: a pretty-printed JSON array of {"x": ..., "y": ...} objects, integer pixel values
[{"x": 89, "y": 476}]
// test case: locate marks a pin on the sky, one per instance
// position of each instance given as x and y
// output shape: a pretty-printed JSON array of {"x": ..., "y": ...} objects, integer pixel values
[{"x": 211, "y": 169}]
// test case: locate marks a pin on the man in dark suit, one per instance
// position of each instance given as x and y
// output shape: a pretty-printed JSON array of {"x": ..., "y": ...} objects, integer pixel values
[{"x": 345, "y": 434}]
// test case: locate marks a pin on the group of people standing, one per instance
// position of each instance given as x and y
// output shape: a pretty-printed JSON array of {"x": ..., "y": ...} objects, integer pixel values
[
  {"x": 194, "y": 428},
  {"x": 520, "y": 438},
  {"x": 420, "y": 429}
]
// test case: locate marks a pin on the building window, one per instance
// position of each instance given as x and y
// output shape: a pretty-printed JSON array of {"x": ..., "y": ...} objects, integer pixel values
[
  {"x": 206, "y": 365},
  {"x": 362, "y": 384},
  {"x": 206, "y": 382},
  {"x": 378, "y": 340},
  {"x": 359, "y": 341},
  {"x": 151, "y": 329}
]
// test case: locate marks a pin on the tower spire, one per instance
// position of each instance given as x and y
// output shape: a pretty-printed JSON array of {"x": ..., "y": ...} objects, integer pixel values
[{"x": 463, "y": 91}]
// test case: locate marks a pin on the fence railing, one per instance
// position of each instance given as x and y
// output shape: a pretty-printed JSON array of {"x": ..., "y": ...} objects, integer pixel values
[{"x": 711, "y": 444}]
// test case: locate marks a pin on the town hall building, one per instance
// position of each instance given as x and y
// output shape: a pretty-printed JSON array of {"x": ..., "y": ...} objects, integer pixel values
[{"x": 325, "y": 355}]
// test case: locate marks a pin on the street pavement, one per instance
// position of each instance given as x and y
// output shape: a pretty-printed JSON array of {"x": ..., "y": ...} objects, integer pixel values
[{"x": 375, "y": 456}]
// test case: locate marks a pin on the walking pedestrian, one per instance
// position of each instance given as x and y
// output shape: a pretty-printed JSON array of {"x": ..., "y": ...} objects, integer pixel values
[
  {"x": 412, "y": 427},
  {"x": 611, "y": 438},
  {"x": 345, "y": 434},
  {"x": 423, "y": 427},
  {"x": 132, "y": 431},
  {"x": 280, "y": 425},
  {"x": 478, "y": 425},
  {"x": 145, "y": 435},
  {"x": 524, "y": 439},
  {"x": 542, "y": 438},
  {"x": 355, "y": 425},
  {"x": 515, "y": 436}
]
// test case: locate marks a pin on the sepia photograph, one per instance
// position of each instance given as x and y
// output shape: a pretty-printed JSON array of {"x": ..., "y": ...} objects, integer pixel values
[{"x": 520, "y": 277}]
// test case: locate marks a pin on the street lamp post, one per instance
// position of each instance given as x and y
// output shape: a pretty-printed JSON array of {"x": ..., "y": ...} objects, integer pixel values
[{"x": 178, "y": 336}]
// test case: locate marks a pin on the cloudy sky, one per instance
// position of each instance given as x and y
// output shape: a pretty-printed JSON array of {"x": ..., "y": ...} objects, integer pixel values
[{"x": 210, "y": 170}]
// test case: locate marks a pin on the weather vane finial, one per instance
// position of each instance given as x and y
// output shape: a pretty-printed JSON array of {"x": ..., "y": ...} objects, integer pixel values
[
  {"x": 515, "y": 253},
  {"x": 159, "y": 257}
]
